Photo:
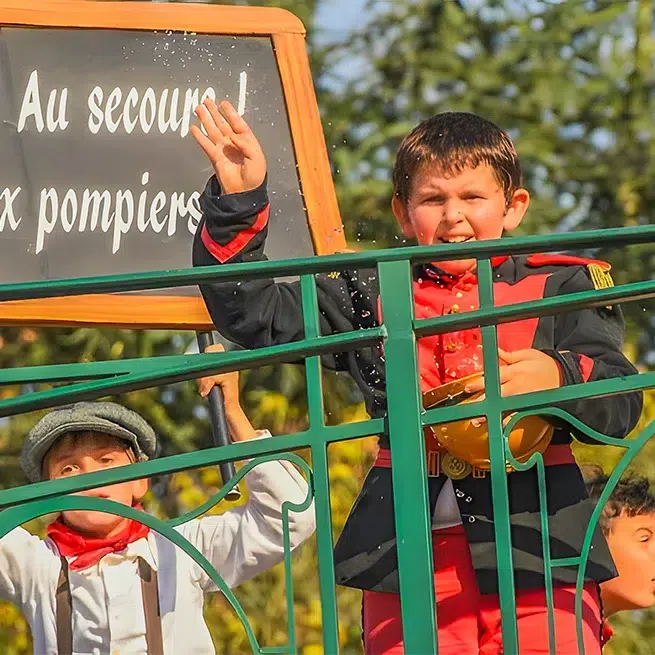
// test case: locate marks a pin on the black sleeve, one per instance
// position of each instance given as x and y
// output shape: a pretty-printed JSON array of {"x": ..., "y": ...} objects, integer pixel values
[
  {"x": 258, "y": 313},
  {"x": 588, "y": 347}
]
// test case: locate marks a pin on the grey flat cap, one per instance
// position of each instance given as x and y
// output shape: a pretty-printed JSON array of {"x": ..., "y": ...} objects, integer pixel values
[{"x": 103, "y": 417}]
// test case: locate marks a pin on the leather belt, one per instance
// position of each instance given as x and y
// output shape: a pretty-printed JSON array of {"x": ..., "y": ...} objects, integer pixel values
[{"x": 442, "y": 462}]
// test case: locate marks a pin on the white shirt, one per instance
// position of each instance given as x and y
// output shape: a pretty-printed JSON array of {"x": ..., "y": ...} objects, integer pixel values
[
  {"x": 108, "y": 613},
  {"x": 446, "y": 511}
]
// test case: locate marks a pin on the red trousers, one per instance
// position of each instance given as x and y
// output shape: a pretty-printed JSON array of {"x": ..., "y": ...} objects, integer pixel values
[{"x": 469, "y": 622}]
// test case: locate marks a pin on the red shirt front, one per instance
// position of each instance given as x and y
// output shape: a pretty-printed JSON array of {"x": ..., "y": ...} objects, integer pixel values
[{"x": 446, "y": 357}]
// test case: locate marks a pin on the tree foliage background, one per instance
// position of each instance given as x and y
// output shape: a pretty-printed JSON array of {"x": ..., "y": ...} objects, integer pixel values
[{"x": 571, "y": 81}]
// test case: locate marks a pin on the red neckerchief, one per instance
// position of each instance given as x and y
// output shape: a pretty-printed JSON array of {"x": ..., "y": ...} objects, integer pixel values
[{"x": 90, "y": 550}]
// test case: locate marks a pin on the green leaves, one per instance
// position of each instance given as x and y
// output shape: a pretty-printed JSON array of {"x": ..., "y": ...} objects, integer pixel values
[{"x": 571, "y": 81}]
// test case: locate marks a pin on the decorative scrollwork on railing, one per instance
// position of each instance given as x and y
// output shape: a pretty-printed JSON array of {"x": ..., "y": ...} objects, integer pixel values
[{"x": 632, "y": 447}]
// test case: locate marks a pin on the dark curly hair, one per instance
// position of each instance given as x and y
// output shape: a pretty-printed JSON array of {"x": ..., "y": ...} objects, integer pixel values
[{"x": 632, "y": 496}]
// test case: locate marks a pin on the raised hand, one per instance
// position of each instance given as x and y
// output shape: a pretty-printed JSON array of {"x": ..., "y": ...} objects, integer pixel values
[
  {"x": 231, "y": 146},
  {"x": 240, "y": 427},
  {"x": 229, "y": 383}
]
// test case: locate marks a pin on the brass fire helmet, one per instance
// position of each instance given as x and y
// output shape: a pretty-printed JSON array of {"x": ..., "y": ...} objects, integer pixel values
[{"x": 465, "y": 441}]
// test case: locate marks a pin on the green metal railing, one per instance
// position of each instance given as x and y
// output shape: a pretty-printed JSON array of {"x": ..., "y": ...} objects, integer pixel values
[{"x": 404, "y": 423}]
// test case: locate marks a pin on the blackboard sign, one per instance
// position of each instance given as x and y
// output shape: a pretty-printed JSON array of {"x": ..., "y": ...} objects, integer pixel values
[{"x": 99, "y": 173}]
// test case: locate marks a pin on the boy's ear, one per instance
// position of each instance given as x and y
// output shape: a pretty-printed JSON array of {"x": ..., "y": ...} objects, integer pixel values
[
  {"x": 140, "y": 489},
  {"x": 399, "y": 209},
  {"x": 516, "y": 211}
]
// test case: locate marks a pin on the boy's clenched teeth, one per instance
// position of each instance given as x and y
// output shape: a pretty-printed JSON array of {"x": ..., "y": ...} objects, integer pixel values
[{"x": 454, "y": 239}]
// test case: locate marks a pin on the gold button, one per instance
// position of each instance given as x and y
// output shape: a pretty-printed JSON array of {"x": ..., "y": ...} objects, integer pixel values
[{"x": 454, "y": 309}]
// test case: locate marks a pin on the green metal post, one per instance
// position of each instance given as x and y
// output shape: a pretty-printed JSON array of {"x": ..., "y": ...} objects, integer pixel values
[
  {"x": 499, "y": 490},
  {"x": 409, "y": 471},
  {"x": 326, "y": 577}
]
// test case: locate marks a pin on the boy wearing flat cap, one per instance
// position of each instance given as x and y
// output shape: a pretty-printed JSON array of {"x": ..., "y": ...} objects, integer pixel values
[{"x": 101, "y": 583}]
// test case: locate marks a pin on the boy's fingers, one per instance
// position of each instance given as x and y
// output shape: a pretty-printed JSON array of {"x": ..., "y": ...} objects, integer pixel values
[
  {"x": 203, "y": 141},
  {"x": 247, "y": 144},
  {"x": 208, "y": 122},
  {"x": 516, "y": 356},
  {"x": 221, "y": 124},
  {"x": 237, "y": 123},
  {"x": 505, "y": 374},
  {"x": 205, "y": 386},
  {"x": 506, "y": 357}
]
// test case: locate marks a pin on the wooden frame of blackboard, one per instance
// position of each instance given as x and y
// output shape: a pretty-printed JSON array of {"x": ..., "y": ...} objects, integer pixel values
[{"x": 288, "y": 38}]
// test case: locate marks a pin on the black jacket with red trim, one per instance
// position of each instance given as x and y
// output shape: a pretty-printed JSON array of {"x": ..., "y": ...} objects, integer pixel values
[{"x": 586, "y": 343}]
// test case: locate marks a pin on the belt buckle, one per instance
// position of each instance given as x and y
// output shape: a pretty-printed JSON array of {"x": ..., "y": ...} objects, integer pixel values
[
  {"x": 454, "y": 467},
  {"x": 441, "y": 461}
]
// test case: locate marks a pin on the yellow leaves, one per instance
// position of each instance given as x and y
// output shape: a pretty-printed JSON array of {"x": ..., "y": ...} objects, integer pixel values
[
  {"x": 190, "y": 495},
  {"x": 608, "y": 456},
  {"x": 629, "y": 198},
  {"x": 8, "y": 613},
  {"x": 194, "y": 488},
  {"x": 338, "y": 471},
  {"x": 210, "y": 477},
  {"x": 15, "y": 637},
  {"x": 347, "y": 451},
  {"x": 272, "y": 409},
  {"x": 312, "y": 617},
  {"x": 9, "y": 392},
  {"x": 182, "y": 481},
  {"x": 231, "y": 623},
  {"x": 354, "y": 413},
  {"x": 272, "y": 403},
  {"x": 116, "y": 349},
  {"x": 193, "y": 497}
]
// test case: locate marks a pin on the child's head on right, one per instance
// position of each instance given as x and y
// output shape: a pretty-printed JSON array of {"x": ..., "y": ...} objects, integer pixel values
[
  {"x": 457, "y": 177},
  {"x": 628, "y": 523}
]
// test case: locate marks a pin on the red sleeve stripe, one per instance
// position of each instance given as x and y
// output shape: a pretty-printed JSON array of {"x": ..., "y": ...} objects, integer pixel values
[
  {"x": 240, "y": 241},
  {"x": 586, "y": 366}
]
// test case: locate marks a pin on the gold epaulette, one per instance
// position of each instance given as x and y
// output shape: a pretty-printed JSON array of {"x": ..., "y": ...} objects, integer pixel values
[{"x": 600, "y": 276}]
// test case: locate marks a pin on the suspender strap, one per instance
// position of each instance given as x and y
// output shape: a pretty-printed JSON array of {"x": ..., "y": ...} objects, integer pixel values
[
  {"x": 64, "y": 612},
  {"x": 151, "y": 610}
]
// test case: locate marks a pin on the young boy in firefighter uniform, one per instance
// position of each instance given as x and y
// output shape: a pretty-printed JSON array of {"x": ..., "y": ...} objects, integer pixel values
[
  {"x": 101, "y": 583},
  {"x": 457, "y": 178}
]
